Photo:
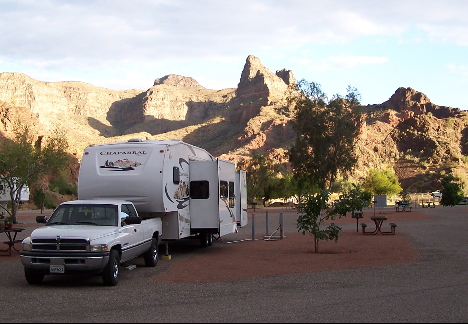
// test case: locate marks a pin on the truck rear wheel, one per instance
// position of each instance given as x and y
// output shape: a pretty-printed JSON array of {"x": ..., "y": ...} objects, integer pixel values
[
  {"x": 111, "y": 274},
  {"x": 151, "y": 256},
  {"x": 33, "y": 278}
]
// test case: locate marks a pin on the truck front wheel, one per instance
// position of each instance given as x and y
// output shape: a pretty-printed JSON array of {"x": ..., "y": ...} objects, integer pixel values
[
  {"x": 33, "y": 278},
  {"x": 111, "y": 274},
  {"x": 151, "y": 256}
]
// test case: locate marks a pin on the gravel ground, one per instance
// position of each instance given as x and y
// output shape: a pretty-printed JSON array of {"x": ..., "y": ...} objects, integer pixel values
[{"x": 417, "y": 275}]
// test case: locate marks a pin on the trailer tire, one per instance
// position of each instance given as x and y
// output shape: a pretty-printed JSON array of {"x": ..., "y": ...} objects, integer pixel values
[
  {"x": 32, "y": 277},
  {"x": 111, "y": 274},
  {"x": 204, "y": 239},
  {"x": 210, "y": 239},
  {"x": 152, "y": 255}
]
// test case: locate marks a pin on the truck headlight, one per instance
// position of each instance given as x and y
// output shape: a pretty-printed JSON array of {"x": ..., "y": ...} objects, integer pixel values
[
  {"x": 98, "y": 248},
  {"x": 27, "y": 245}
]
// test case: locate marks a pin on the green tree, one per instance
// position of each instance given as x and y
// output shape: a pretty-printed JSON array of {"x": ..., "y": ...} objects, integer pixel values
[
  {"x": 326, "y": 132},
  {"x": 313, "y": 211},
  {"x": 382, "y": 182},
  {"x": 262, "y": 176},
  {"x": 24, "y": 160},
  {"x": 452, "y": 191},
  {"x": 354, "y": 199}
]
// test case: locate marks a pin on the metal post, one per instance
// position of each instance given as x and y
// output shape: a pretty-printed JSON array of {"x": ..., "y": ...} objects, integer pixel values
[
  {"x": 253, "y": 226},
  {"x": 266, "y": 217},
  {"x": 281, "y": 226}
]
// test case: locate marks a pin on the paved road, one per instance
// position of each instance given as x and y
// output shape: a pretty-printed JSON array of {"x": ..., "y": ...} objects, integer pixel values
[{"x": 433, "y": 289}]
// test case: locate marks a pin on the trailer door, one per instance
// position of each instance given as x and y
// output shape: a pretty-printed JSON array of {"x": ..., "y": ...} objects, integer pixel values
[
  {"x": 204, "y": 195},
  {"x": 241, "y": 193}
]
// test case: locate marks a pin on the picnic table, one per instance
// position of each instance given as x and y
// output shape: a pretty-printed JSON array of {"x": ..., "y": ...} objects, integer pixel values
[
  {"x": 378, "y": 221},
  {"x": 402, "y": 206},
  {"x": 429, "y": 204},
  {"x": 11, "y": 235}
]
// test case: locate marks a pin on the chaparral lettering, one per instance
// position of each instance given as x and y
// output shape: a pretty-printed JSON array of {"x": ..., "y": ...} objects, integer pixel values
[{"x": 123, "y": 153}]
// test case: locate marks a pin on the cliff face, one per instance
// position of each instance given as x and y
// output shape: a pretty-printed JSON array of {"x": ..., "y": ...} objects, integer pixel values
[{"x": 408, "y": 133}]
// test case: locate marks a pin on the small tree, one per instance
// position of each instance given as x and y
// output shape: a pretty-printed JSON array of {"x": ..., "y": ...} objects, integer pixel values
[
  {"x": 313, "y": 210},
  {"x": 452, "y": 191},
  {"x": 24, "y": 160},
  {"x": 405, "y": 196},
  {"x": 382, "y": 182},
  {"x": 352, "y": 200}
]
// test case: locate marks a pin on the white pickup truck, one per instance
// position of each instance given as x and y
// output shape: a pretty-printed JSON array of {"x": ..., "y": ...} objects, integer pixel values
[{"x": 90, "y": 236}]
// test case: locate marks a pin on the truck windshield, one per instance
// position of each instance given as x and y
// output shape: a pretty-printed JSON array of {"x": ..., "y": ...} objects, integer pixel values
[{"x": 98, "y": 215}]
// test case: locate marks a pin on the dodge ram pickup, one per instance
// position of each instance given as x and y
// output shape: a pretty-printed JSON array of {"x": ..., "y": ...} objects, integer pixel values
[{"x": 90, "y": 236}]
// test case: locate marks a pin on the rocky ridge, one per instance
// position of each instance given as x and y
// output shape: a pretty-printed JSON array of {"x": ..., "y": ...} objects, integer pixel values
[{"x": 408, "y": 132}]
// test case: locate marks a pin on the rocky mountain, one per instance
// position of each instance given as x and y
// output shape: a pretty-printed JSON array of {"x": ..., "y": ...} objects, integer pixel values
[{"x": 408, "y": 133}]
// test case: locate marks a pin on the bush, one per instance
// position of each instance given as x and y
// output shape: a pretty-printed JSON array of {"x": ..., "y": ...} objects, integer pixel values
[
  {"x": 43, "y": 199},
  {"x": 62, "y": 186}
]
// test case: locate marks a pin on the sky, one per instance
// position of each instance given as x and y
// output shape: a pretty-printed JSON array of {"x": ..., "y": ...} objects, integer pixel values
[{"x": 374, "y": 46}]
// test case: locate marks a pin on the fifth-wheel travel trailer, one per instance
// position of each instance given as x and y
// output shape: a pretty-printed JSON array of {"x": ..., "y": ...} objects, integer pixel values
[
  {"x": 5, "y": 195},
  {"x": 192, "y": 192}
]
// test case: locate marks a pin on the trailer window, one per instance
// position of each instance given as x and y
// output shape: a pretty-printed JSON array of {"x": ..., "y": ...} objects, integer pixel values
[
  {"x": 223, "y": 189},
  {"x": 199, "y": 189},
  {"x": 232, "y": 194},
  {"x": 175, "y": 175}
]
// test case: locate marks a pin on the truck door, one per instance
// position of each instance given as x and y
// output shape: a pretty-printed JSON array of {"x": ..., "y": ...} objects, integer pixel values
[{"x": 132, "y": 242}]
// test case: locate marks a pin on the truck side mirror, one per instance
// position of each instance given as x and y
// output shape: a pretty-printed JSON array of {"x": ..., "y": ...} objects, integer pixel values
[
  {"x": 41, "y": 219},
  {"x": 132, "y": 220}
]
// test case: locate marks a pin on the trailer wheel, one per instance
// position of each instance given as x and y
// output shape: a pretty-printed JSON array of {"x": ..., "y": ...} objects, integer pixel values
[
  {"x": 151, "y": 256},
  {"x": 111, "y": 274},
  {"x": 210, "y": 239},
  {"x": 204, "y": 239},
  {"x": 33, "y": 278}
]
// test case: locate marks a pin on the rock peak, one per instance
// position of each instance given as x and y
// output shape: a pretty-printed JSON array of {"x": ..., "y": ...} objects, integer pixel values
[
  {"x": 256, "y": 79},
  {"x": 178, "y": 81}
]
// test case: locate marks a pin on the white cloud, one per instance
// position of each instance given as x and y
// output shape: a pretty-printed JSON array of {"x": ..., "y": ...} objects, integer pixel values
[
  {"x": 347, "y": 62},
  {"x": 457, "y": 69}
]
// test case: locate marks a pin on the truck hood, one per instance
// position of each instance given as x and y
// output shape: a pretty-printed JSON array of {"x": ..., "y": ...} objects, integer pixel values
[{"x": 74, "y": 231}]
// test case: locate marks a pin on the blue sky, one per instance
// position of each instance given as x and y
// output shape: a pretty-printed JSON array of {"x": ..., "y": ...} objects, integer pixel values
[{"x": 374, "y": 46}]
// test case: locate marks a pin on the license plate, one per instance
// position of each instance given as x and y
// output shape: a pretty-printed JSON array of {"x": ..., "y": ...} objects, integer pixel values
[{"x": 57, "y": 269}]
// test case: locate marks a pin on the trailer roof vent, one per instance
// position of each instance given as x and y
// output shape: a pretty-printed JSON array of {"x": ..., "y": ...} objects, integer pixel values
[{"x": 133, "y": 140}]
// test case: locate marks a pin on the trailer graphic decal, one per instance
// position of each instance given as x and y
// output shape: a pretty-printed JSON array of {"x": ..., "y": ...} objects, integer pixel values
[
  {"x": 120, "y": 165},
  {"x": 181, "y": 195}
]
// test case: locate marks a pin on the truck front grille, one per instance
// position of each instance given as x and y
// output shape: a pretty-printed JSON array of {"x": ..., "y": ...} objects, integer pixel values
[{"x": 60, "y": 244}]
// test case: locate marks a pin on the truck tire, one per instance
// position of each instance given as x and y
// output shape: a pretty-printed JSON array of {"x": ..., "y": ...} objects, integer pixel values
[
  {"x": 111, "y": 274},
  {"x": 151, "y": 256},
  {"x": 33, "y": 278}
]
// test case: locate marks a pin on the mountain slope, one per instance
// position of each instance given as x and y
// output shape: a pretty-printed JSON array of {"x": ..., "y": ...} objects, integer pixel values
[{"x": 408, "y": 133}]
